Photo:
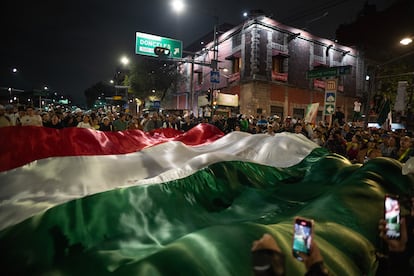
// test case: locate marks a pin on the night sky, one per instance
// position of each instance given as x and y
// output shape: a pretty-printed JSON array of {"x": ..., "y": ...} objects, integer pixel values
[{"x": 71, "y": 45}]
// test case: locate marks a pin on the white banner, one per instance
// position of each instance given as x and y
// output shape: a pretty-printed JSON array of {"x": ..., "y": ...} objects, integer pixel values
[
  {"x": 401, "y": 99},
  {"x": 227, "y": 99},
  {"x": 311, "y": 112}
]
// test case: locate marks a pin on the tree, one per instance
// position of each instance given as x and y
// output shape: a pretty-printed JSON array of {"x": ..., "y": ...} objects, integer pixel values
[
  {"x": 377, "y": 34},
  {"x": 100, "y": 89},
  {"x": 153, "y": 77}
]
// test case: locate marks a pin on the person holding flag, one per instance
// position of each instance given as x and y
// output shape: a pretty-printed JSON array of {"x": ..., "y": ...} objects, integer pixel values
[{"x": 384, "y": 117}]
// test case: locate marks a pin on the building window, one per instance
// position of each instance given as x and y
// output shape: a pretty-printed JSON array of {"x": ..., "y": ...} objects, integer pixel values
[
  {"x": 278, "y": 37},
  {"x": 337, "y": 57},
  {"x": 318, "y": 50},
  {"x": 278, "y": 64},
  {"x": 237, "y": 40},
  {"x": 319, "y": 59},
  {"x": 279, "y": 67},
  {"x": 276, "y": 110},
  {"x": 236, "y": 64},
  {"x": 299, "y": 113}
]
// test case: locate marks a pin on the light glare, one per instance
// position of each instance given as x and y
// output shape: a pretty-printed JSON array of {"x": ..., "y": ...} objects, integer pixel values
[
  {"x": 406, "y": 41},
  {"x": 124, "y": 60},
  {"x": 178, "y": 5}
]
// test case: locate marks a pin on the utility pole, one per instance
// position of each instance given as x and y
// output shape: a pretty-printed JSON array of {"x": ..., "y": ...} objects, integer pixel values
[{"x": 214, "y": 63}]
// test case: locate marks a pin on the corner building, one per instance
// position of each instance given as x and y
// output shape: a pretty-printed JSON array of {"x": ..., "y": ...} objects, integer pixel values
[{"x": 265, "y": 64}]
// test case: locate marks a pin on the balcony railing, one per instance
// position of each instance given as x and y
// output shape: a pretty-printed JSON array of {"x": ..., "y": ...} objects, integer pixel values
[{"x": 279, "y": 76}]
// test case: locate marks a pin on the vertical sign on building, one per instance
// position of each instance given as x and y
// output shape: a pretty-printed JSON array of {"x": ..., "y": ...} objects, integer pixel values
[{"x": 331, "y": 87}]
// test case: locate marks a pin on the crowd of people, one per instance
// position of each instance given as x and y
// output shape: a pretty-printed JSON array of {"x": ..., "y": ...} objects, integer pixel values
[{"x": 352, "y": 140}]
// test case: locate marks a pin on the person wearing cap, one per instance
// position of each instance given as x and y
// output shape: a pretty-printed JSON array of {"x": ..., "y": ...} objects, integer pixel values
[
  {"x": 262, "y": 123},
  {"x": 4, "y": 120},
  {"x": 244, "y": 123},
  {"x": 406, "y": 149},
  {"x": 270, "y": 130},
  {"x": 106, "y": 124}
]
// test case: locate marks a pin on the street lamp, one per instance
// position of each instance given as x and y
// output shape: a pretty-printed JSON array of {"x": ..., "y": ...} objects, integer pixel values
[
  {"x": 124, "y": 60},
  {"x": 120, "y": 77},
  {"x": 406, "y": 40},
  {"x": 178, "y": 6}
]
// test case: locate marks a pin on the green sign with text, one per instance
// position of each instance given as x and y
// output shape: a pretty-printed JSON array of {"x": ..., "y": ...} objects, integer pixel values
[
  {"x": 145, "y": 44},
  {"x": 329, "y": 72}
]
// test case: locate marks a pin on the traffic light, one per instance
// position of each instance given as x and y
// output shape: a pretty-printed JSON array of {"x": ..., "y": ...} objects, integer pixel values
[{"x": 162, "y": 52}]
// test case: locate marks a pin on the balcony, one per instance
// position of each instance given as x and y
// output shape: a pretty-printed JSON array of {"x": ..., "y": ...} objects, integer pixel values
[
  {"x": 279, "y": 76},
  {"x": 234, "y": 77}
]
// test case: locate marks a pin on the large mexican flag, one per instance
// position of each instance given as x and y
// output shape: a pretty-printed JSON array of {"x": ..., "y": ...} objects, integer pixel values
[{"x": 84, "y": 202}]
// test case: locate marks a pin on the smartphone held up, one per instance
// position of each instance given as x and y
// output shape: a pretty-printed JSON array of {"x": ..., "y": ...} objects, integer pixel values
[
  {"x": 302, "y": 237},
  {"x": 392, "y": 216}
]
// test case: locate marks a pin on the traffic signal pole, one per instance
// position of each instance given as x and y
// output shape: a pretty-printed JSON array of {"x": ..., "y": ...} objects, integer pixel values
[
  {"x": 192, "y": 84},
  {"x": 164, "y": 53}
]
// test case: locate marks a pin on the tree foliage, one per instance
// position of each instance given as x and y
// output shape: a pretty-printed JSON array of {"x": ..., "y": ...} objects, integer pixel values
[
  {"x": 149, "y": 74},
  {"x": 99, "y": 89},
  {"x": 389, "y": 76}
]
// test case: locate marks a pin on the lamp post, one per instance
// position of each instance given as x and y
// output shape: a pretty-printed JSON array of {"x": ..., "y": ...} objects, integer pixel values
[
  {"x": 179, "y": 6},
  {"x": 124, "y": 60}
]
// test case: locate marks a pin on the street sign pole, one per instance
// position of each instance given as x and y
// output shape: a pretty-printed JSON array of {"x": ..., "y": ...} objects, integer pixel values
[{"x": 331, "y": 87}]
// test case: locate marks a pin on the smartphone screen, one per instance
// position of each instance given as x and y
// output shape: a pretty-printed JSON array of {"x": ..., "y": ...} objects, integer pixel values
[
  {"x": 302, "y": 237},
  {"x": 392, "y": 216}
]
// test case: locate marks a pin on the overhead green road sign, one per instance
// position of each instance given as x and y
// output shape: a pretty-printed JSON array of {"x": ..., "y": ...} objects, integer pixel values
[
  {"x": 39, "y": 93},
  {"x": 145, "y": 44},
  {"x": 329, "y": 72}
]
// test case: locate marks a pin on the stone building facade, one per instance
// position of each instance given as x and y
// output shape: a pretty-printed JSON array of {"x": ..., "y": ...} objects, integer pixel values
[{"x": 265, "y": 63}]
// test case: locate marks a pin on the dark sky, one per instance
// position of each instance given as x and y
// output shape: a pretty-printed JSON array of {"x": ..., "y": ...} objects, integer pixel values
[{"x": 71, "y": 45}]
